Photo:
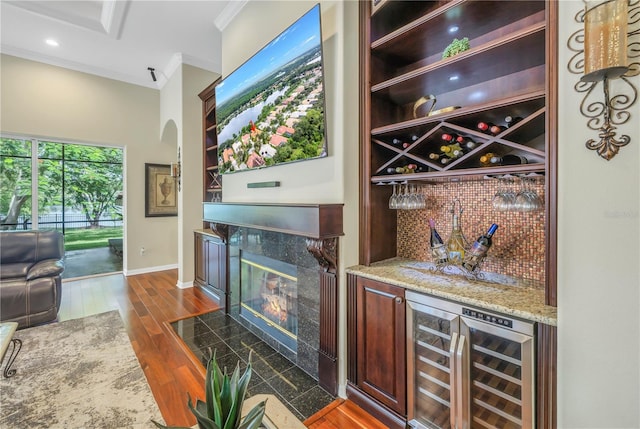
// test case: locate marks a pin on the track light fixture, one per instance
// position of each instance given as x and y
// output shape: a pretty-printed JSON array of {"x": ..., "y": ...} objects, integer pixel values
[{"x": 153, "y": 74}]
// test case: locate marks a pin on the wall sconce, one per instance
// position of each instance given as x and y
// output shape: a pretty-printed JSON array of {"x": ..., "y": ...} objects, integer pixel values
[
  {"x": 176, "y": 170},
  {"x": 607, "y": 47}
]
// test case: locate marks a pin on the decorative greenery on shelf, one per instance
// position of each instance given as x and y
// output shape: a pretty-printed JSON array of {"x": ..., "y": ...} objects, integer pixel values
[
  {"x": 456, "y": 47},
  {"x": 224, "y": 398}
]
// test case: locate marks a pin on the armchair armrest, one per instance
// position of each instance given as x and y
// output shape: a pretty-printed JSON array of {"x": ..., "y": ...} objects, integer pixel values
[{"x": 46, "y": 268}]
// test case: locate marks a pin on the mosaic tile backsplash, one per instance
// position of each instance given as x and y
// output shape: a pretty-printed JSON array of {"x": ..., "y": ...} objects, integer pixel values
[{"x": 518, "y": 246}]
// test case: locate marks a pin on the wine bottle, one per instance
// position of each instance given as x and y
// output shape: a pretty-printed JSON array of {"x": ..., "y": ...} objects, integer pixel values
[
  {"x": 395, "y": 141},
  {"x": 451, "y": 138},
  {"x": 456, "y": 243},
  {"x": 445, "y": 160},
  {"x": 405, "y": 145},
  {"x": 479, "y": 249},
  {"x": 434, "y": 156},
  {"x": 496, "y": 129},
  {"x": 438, "y": 249},
  {"x": 489, "y": 128},
  {"x": 468, "y": 144},
  {"x": 512, "y": 120},
  {"x": 452, "y": 150},
  {"x": 509, "y": 160},
  {"x": 485, "y": 160},
  {"x": 484, "y": 126}
]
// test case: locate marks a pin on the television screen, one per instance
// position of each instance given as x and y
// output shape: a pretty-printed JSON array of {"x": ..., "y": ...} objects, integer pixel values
[{"x": 270, "y": 110}]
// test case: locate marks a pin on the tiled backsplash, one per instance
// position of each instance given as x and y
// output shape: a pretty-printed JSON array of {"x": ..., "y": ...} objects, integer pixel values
[{"x": 518, "y": 246}]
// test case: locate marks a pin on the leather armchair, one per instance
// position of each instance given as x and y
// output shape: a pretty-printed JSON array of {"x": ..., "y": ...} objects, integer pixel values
[{"x": 31, "y": 264}]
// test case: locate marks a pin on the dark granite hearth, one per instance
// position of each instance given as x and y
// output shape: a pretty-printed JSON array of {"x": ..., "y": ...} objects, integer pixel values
[{"x": 273, "y": 373}]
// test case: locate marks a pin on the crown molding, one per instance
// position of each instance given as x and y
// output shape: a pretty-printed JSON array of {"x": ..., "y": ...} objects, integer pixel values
[
  {"x": 228, "y": 13},
  {"x": 108, "y": 19},
  {"x": 72, "y": 65}
]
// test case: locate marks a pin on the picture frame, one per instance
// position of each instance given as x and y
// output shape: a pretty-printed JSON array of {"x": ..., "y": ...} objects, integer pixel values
[{"x": 160, "y": 191}]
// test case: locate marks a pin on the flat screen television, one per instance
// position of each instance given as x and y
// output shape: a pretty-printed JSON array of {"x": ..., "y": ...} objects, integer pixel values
[{"x": 271, "y": 109}]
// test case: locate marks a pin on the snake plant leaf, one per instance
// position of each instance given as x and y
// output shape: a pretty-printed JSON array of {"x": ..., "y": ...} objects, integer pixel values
[
  {"x": 254, "y": 418},
  {"x": 226, "y": 400},
  {"x": 242, "y": 386},
  {"x": 208, "y": 386},
  {"x": 204, "y": 422},
  {"x": 217, "y": 379}
]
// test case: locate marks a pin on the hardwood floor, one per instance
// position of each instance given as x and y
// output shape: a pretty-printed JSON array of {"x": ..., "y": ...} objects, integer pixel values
[{"x": 147, "y": 302}]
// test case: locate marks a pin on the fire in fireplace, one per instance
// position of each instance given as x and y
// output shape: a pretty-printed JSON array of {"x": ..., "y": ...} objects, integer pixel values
[{"x": 269, "y": 297}]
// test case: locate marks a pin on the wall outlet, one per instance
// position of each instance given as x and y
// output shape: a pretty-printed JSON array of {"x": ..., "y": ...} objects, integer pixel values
[{"x": 142, "y": 251}]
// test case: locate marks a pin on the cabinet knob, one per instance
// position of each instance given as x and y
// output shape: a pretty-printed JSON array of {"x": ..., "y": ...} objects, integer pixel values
[{"x": 399, "y": 300}]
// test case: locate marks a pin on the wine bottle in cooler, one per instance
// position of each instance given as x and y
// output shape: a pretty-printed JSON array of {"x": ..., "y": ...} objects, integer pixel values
[
  {"x": 479, "y": 249},
  {"x": 438, "y": 249}
]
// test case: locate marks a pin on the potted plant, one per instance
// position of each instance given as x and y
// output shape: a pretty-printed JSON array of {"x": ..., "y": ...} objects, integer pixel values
[{"x": 224, "y": 398}]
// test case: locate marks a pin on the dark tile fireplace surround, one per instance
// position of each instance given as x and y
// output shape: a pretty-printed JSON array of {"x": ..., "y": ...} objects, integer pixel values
[{"x": 282, "y": 284}]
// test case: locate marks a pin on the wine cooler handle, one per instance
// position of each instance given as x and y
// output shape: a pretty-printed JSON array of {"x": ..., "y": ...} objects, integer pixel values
[
  {"x": 399, "y": 300},
  {"x": 452, "y": 380},
  {"x": 462, "y": 384}
]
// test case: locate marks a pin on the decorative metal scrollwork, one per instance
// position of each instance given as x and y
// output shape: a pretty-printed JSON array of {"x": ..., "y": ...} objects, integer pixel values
[{"x": 603, "y": 115}]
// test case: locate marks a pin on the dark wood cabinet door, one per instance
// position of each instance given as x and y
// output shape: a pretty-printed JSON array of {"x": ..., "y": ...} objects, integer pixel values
[
  {"x": 217, "y": 265},
  {"x": 200, "y": 259},
  {"x": 381, "y": 343}
]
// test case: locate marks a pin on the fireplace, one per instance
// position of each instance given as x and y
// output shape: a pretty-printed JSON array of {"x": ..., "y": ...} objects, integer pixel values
[
  {"x": 269, "y": 297},
  {"x": 281, "y": 278}
]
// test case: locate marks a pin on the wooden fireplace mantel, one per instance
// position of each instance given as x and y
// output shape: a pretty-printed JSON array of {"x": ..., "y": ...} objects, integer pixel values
[
  {"x": 319, "y": 221},
  {"x": 320, "y": 225}
]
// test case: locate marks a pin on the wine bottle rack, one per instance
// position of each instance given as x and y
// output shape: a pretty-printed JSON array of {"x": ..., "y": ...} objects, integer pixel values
[
  {"x": 525, "y": 138},
  {"x": 497, "y": 385},
  {"x": 490, "y": 81}
]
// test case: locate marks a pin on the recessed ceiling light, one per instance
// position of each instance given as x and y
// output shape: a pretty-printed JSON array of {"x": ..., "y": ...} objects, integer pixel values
[
  {"x": 454, "y": 77},
  {"x": 52, "y": 42},
  {"x": 453, "y": 29}
]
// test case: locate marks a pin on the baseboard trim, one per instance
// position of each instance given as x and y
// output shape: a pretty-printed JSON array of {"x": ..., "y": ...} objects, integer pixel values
[
  {"x": 128, "y": 273},
  {"x": 184, "y": 285}
]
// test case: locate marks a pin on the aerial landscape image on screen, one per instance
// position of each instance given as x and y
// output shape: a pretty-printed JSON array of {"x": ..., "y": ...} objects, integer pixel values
[{"x": 270, "y": 110}]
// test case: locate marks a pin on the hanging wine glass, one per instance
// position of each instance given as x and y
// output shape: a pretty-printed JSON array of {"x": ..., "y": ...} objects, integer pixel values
[{"x": 393, "y": 200}]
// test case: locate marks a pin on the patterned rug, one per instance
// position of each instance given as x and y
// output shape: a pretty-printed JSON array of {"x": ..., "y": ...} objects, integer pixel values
[{"x": 77, "y": 374}]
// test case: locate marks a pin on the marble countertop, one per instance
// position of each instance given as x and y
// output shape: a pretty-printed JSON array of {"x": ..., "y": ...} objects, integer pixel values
[{"x": 500, "y": 295}]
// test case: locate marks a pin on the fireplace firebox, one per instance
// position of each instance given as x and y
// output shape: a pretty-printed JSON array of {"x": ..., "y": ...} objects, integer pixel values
[{"x": 269, "y": 297}]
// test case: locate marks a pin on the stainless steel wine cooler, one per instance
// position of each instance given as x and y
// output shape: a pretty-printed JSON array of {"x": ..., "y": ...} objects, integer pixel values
[{"x": 468, "y": 368}]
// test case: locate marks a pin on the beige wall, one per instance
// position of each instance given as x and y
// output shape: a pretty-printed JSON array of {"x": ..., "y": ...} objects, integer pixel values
[
  {"x": 329, "y": 180},
  {"x": 193, "y": 81},
  {"x": 598, "y": 263},
  {"x": 39, "y": 100}
]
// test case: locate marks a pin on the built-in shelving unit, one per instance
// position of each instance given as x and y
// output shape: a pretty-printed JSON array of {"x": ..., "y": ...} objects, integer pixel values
[
  {"x": 508, "y": 70},
  {"x": 212, "y": 179}
]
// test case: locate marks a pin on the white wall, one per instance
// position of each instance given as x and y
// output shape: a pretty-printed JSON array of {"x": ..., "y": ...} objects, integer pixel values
[
  {"x": 45, "y": 101},
  {"x": 598, "y": 263},
  {"x": 329, "y": 180}
]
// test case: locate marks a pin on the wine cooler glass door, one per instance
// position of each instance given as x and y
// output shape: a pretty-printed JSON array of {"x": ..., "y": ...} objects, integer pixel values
[
  {"x": 432, "y": 338},
  {"x": 501, "y": 376}
]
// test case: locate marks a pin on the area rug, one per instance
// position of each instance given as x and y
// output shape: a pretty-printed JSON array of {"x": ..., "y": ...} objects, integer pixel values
[{"x": 79, "y": 373}]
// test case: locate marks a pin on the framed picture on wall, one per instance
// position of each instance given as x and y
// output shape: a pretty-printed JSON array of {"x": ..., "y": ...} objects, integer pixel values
[{"x": 160, "y": 195}]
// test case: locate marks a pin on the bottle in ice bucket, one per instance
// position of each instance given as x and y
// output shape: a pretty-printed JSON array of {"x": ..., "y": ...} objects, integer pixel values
[
  {"x": 438, "y": 249},
  {"x": 479, "y": 250}
]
